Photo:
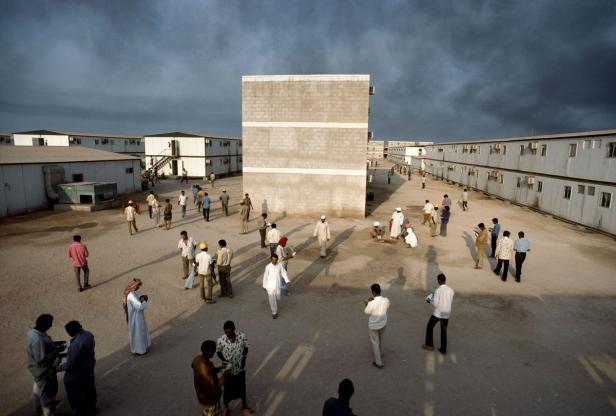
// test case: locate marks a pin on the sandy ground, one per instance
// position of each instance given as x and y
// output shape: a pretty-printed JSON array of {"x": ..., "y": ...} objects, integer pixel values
[{"x": 546, "y": 346}]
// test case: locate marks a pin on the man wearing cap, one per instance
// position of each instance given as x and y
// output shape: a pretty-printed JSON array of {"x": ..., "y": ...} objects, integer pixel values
[
  {"x": 205, "y": 270},
  {"x": 224, "y": 200},
  {"x": 376, "y": 232},
  {"x": 131, "y": 215},
  {"x": 321, "y": 231},
  {"x": 397, "y": 219}
]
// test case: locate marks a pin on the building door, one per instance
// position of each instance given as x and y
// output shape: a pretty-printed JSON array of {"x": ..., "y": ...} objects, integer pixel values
[
  {"x": 174, "y": 148},
  {"x": 174, "y": 167},
  {"x": 41, "y": 141}
]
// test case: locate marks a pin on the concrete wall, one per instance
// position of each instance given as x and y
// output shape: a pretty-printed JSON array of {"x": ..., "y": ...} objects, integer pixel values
[
  {"x": 23, "y": 186},
  {"x": 498, "y": 171},
  {"x": 305, "y": 139},
  {"x": 376, "y": 149}
]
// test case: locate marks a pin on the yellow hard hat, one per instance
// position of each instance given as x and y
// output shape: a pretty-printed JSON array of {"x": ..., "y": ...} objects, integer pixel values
[{"x": 203, "y": 245}]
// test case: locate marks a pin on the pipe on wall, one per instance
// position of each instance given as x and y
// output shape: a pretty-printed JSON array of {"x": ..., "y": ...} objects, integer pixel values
[{"x": 54, "y": 175}]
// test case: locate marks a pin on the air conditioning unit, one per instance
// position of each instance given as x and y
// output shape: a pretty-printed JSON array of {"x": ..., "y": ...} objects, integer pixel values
[
  {"x": 533, "y": 146},
  {"x": 105, "y": 141},
  {"x": 208, "y": 162},
  {"x": 72, "y": 140},
  {"x": 497, "y": 146},
  {"x": 530, "y": 180},
  {"x": 207, "y": 141},
  {"x": 372, "y": 90},
  {"x": 370, "y": 135}
]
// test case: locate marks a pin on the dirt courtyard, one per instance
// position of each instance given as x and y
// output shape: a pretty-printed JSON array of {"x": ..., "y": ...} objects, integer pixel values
[{"x": 545, "y": 346}]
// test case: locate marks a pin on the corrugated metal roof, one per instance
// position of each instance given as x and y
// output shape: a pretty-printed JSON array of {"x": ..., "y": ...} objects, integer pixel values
[
  {"x": 18, "y": 155},
  {"x": 80, "y": 134},
  {"x": 186, "y": 134}
]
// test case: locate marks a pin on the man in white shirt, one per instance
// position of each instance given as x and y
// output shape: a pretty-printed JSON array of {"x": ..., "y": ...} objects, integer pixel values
[
  {"x": 187, "y": 250},
  {"x": 131, "y": 215},
  {"x": 397, "y": 219},
  {"x": 465, "y": 199},
  {"x": 503, "y": 253},
  {"x": 376, "y": 307},
  {"x": 205, "y": 270},
  {"x": 427, "y": 212},
  {"x": 182, "y": 202},
  {"x": 441, "y": 309},
  {"x": 223, "y": 260},
  {"x": 321, "y": 231},
  {"x": 274, "y": 273},
  {"x": 273, "y": 237}
]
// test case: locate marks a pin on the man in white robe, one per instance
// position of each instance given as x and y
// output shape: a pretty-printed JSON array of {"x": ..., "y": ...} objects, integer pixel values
[
  {"x": 138, "y": 333},
  {"x": 274, "y": 272},
  {"x": 397, "y": 219},
  {"x": 321, "y": 231}
]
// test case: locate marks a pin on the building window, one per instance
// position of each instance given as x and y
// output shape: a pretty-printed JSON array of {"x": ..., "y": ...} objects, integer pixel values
[
  {"x": 606, "y": 199},
  {"x": 544, "y": 150},
  {"x": 522, "y": 149},
  {"x": 567, "y": 194},
  {"x": 129, "y": 170},
  {"x": 591, "y": 191},
  {"x": 504, "y": 149},
  {"x": 96, "y": 141},
  {"x": 77, "y": 177},
  {"x": 112, "y": 142},
  {"x": 581, "y": 189},
  {"x": 539, "y": 186},
  {"x": 611, "y": 150},
  {"x": 501, "y": 178},
  {"x": 572, "y": 149},
  {"x": 596, "y": 144},
  {"x": 587, "y": 144},
  {"x": 518, "y": 182},
  {"x": 41, "y": 141}
]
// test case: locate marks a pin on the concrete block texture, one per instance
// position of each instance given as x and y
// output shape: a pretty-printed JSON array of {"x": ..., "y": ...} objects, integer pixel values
[{"x": 304, "y": 139}]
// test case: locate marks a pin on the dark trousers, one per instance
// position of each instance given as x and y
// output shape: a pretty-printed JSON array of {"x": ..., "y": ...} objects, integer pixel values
[
  {"x": 224, "y": 278},
  {"x": 423, "y": 186},
  {"x": 273, "y": 247},
  {"x": 262, "y": 232},
  {"x": 494, "y": 240},
  {"x": 86, "y": 275},
  {"x": 500, "y": 264},
  {"x": 150, "y": 210},
  {"x": 81, "y": 394},
  {"x": 47, "y": 391},
  {"x": 430, "y": 328},
  {"x": 519, "y": 259},
  {"x": 206, "y": 213},
  {"x": 225, "y": 209},
  {"x": 184, "y": 179},
  {"x": 464, "y": 205},
  {"x": 183, "y": 210}
]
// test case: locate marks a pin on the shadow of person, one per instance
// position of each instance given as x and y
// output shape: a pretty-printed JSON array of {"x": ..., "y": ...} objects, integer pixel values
[
  {"x": 470, "y": 244},
  {"x": 161, "y": 259},
  {"x": 400, "y": 280},
  {"x": 264, "y": 207},
  {"x": 432, "y": 267}
]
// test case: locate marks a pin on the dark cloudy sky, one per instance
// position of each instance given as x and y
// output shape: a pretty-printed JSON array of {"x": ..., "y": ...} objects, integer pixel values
[{"x": 442, "y": 69}]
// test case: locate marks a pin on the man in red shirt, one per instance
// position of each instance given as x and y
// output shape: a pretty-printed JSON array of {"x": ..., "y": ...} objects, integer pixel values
[{"x": 78, "y": 254}]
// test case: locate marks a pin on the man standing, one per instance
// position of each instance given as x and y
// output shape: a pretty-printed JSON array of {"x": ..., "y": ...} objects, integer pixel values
[
  {"x": 445, "y": 220},
  {"x": 182, "y": 200},
  {"x": 149, "y": 200},
  {"x": 273, "y": 237},
  {"x": 78, "y": 253},
  {"x": 130, "y": 214},
  {"x": 205, "y": 270},
  {"x": 262, "y": 226},
  {"x": 249, "y": 205},
  {"x": 195, "y": 191},
  {"x": 441, "y": 309},
  {"x": 212, "y": 179},
  {"x": 184, "y": 177},
  {"x": 232, "y": 349},
  {"x": 427, "y": 212},
  {"x": 206, "y": 207},
  {"x": 41, "y": 355},
  {"x": 494, "y": 232},
  {"x": 446, "y": 201},
  {"x": 155, "y": 211},
  {"x": 397, "y": 219},
  {"x": 504, "y": 252},
  {"x": 423, "y": 181},
  {"x": 376, "y": 307},
  {"x": 223, "y": 260},
  {"x": 465, "y": 199},
  {"x": 321, "y": 231},
  {"x": 284, "y": 253},
  {"x": 342, "y": 405},
  {"x": 243, "y": 217},
  {"x": 205, "y": 379},
  {"x": 200, "y": 196},
  {"x": 521, "y": 247},
  {"x": 224, "y": 200},
  {"x": 274, "y": 273},
  {"x": 481, "y": 242},
  {"x": 187, "y": 250},
  {"x": 79, "y": 370},
  {"x": 138, "y": 333}
]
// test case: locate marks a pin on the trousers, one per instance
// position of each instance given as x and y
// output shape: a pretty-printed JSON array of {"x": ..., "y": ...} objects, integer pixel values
[
  {"x": 206, "y": 213},
  {"x": 186, "y": 263},
  {"x": 500, "y": 264},
  {"x": 132, "y": 224},
  {"x": 429, "y": 329},
  {"x": 519, "y": 260},
  {"x": 81, "y": 393},
  {"x": 494, "y": 240},
  {"x": 224, "y": 278},
  {"x": 44, "y": 392},
  {"x": 273, "y": 247},
  {"x": 481, "y": 255},
  {"x": 376, "y": 339},
  {"x": 225, "y": 209},
  {"x": 86, "y": 275},
  {"x": 273, "y": 298},
  {"x": 183, "y": 210},
  {"x": 210, "y": 286},
  {"x": 262, "y": 232}
]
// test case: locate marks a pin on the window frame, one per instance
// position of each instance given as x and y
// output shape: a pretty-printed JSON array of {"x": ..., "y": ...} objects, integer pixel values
[
  {"x": 603, "y": 203},
  {"x": 572, "y": 150},
  {"x": 567, "y": 192}
]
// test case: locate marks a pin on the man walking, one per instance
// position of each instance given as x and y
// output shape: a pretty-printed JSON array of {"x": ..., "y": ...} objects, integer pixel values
[
  {"x": 521, "y": 247},
  {"x": 441, "y": 309},
  {"x": 232, "y": 349},
  {"x": 155, "y": 211},
  {"x": 223, "y": 260},
  {"x": 243, "y": 217},
  {"x": 195, "y": 191},
  {"x": 212, "y": 179},
  {"x": 200, "y": 196},
  {"x": 207, "y": 385},
  {"x": 427, "y": 212},
  {"x": 423, "y": 181},
  {"x": 206, "y": 207},
  {"x": 273, "y": 237},
  {"x": 274, "y": 273},
  {"x": 445, "y": 215},
  {"x": 78, "y": 253},
  {"x": 504, "y": 252},
  {"x": 465, "y": 199},
  {"x": 182, "y": 200},
  {"x": 494, "y": 232},
  {"x": 321, "y": 231},
  {"x": 186, "y": 246},
  {"x": 149, "y": 200},
  {"x": 205, "y": 270},
  {"x": 446, "y": 201},
  {"x": 262, "y": 226},
  {"x": 184, "y": 177},
  {"x": 41, "y": 355},
  {"x": 79, "y": 370},
  {"x": 224, "y": 200},
  {"x": 376, "y": 307},
  {"x": 248, "y": 205},
  {"x": 481, "y": 242},
  {"x": 130, "y": 214}
]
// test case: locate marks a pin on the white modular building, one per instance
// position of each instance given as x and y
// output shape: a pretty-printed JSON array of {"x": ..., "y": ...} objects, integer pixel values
[
  {"x": 5, "y": 139},
  {"x": 117, "y": 143},
  {"x": 26, "y": 185},
  {"x": 571, "y": 176},
  {"x": 197, "y": 154},
  {"x": 402, "y": 154}
]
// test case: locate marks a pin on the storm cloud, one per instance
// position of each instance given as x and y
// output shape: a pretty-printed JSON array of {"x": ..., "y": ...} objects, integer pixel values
[{"x": 442, "y": 69}]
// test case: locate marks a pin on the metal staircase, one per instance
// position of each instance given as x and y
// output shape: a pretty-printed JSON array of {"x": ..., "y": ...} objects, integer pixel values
[{"x": 162, "y": 160}]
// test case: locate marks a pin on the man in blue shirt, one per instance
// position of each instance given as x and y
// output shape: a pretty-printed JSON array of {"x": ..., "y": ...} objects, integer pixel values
[
  {"x": 341, "y": 405},
  {"x": 79, "y": 368},
  {"x": 521, "y": 247},
  {"x": 206, "y": 207},
  {"x": 494, "y": 232}
]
